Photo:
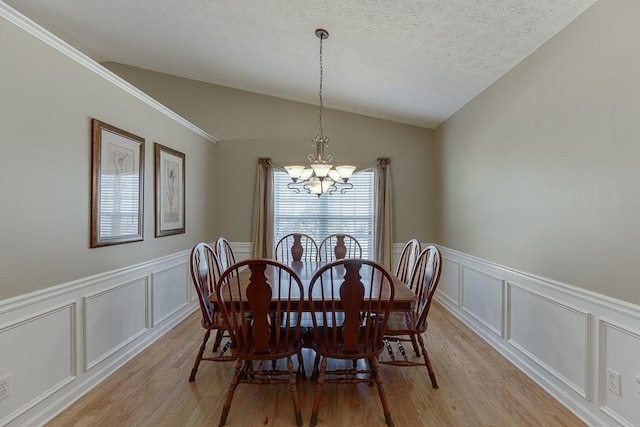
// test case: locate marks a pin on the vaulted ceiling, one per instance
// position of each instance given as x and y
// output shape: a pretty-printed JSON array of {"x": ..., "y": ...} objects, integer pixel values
[{"x": 410, "y": 61}]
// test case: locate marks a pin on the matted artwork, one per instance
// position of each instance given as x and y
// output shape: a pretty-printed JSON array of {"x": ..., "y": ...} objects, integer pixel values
[
  {"x": 169, "y": 191},
  {"x": 117, "y": 185}
]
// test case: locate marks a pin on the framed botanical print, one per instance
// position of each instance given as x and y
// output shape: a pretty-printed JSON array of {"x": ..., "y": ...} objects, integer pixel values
[
  {"x": 117, "y": 185},
  {"x": 169, "y": 191}
]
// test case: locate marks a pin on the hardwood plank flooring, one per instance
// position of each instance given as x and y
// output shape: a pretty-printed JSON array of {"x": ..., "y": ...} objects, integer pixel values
[{"x": 478, "y": 387}]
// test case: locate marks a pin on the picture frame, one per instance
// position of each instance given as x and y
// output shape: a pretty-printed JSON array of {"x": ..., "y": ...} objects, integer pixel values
[
  {"x": 117, "y": 185},
  {"x": 169, "y": 186}
]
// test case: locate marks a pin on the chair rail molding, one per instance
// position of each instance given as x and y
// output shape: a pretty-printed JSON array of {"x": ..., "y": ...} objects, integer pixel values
[
  {"x": 90, "y": 327},
  {"x": 578, "y": 334},
  {"x": 63, "y": 47},
  {"x": 242, "y": 250}
]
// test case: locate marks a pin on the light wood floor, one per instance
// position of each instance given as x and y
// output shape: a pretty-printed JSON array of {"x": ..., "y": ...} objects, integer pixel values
[{"x": 478, "y": 387}]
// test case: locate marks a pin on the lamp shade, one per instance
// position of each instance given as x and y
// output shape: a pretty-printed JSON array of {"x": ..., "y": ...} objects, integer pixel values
[
  {"x": 318, "y": 187},
  {"x": 294, "y": 171},
  {"x": 306, "y": 174},
  {"x": 321, "y": 170},
  {"x": 313, "y": 186},
  {"x": 345, "y": 171},
  {"x": 335, "y": 175}
]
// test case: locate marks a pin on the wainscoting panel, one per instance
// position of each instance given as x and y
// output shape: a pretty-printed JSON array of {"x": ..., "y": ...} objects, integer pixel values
[
  {"x": 449, "y": 285},
  {"x": 625, "y": 405},
  {"x": 60, "y": 342},
  {"x": 170, "y": 291},
  {"x": 242, "y": 250},
  {"x": 550, "y": 333},
  {"x": 113, "y": 318},
  {"x": 554, "y": 335},
  {"x": 43, "y": 363},
  {"x": 482, "y": 298}
]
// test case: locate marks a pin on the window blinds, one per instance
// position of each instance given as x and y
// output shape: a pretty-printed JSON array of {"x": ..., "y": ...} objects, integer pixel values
[{"x": 349, "y": 213}]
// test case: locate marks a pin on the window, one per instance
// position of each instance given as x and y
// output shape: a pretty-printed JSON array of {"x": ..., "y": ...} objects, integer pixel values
[
  {"x": 350, "y": 213},
  {"x": 119, "y": 204}
]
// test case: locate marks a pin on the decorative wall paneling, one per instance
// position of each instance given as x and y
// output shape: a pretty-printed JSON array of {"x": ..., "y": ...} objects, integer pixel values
[
  {"x": 619, "y": 350},
  {"x": 60, "y": 342},
  {"x": 63, "y": 341},
  {"x": 39, "y": 355},
  {"x": 563, "y": 337},
  {"x": 242, "y": 250}
]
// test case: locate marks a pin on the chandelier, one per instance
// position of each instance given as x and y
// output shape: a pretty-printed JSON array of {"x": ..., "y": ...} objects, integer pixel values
[{"x": 320, "y": 176}]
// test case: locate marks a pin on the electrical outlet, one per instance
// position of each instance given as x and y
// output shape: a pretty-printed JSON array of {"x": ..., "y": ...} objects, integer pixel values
[
  {"x": 613, "y": 381},
  {"x": 5, "y": 387}
]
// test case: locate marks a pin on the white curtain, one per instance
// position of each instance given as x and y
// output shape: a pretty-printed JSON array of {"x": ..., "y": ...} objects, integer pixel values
[
  {"x": 263, "y": 210},
  {"x": 383, "y": 244}
]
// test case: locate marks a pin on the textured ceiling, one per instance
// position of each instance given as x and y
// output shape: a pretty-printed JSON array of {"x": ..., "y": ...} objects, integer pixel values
[{"x": 410, "y": 61}]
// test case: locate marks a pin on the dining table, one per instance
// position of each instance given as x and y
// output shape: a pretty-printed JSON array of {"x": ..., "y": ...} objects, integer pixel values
[{"x": 404, "y": 298}]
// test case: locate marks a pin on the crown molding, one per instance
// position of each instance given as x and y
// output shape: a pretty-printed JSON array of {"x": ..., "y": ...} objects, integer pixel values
[{"x": 63, "y": 47}]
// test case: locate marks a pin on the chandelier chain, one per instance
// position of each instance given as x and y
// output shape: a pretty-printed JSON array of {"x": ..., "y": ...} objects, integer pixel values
[{"x": 320, "y": 92}]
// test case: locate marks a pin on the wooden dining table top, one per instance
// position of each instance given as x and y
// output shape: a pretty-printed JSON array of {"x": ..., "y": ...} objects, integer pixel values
[{"x": 404, "y": 298}]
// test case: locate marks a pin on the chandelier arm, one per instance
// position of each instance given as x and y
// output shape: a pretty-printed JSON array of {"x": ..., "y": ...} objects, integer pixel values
[
  {"x": 293, "y": 186},
  {"x": 346, "y": 187}
]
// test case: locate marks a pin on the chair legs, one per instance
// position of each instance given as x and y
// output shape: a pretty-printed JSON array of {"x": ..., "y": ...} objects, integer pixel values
[
  {"x": 301, "y": 372},
  {"x": 427, "y": 362},
  {"x": 243, "y": 370},
  {"x": 319, "y": 386},
  {"x": 414, "y": 342},
  {"x": 216, "y": 343},
  {"x": 232, "y": 389},
  {"x": 316, "y": 363},
  {"x": 293, "y": 384},
  {"x": 199, "y": 356},
  {"x": 375, "y": 369}
]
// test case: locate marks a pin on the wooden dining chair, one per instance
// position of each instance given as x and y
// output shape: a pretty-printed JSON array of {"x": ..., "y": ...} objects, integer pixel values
[
  {"x": 260, "y": 331},
  {"x": 296, "y": 247},
  {"x": 339, "y": 246},
  {"x": 205, "y": 272},
  {"x": 407, "y": 260},
  {"x": 349, "y": 324},
  {"x": 409, "y": 326},
  {"x": 225, "y": 253}
]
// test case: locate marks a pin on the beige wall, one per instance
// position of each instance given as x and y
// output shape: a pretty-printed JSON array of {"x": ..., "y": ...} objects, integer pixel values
[
  {"x": 250, "y": 126},
  {"x": 47, "y": 101},
  {"x": 540, "y": 172}
]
